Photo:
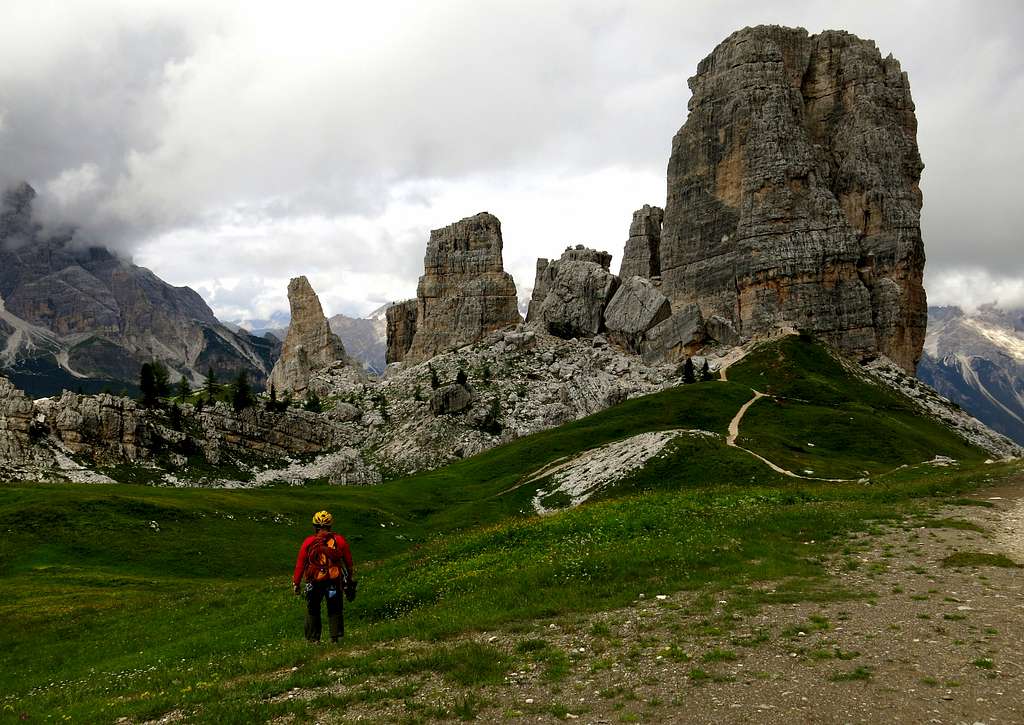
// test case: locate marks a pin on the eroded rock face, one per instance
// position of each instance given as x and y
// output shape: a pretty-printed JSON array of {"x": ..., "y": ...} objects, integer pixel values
[
  {"x": 793, "y": 193},
  {"x": 571, "y": 293},
  {"x": 636, "y": 307},
  {"x": 642, "y": 255},
  {"x": 401, "y": 320},
  {"x": 676, "y": 337},
  {"x": 464, "y": 292},
  {"x": 16, "y": 414},
  {"x": 309, "y": 346}
]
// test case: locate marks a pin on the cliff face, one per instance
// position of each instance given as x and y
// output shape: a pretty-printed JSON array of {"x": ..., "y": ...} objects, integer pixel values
[
  {"x": 309, "y": 345},
  {"x": 793, "y": 193},
  {"x": 464, "y": 292},
  {"x": 103, "y": 315}
]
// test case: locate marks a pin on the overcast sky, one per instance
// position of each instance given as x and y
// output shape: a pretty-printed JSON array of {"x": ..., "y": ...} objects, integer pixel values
[{"x": 230, "y": 146}]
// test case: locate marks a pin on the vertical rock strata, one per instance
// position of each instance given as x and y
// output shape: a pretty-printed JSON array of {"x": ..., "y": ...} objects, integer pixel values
[
  {"x": 401, "y": 328},
  {"x": 642, "y": 255},
  {"x": 793, "y": 193},
  {"x": 309, "y": 345},
  {"x": 464, "y": 292}
]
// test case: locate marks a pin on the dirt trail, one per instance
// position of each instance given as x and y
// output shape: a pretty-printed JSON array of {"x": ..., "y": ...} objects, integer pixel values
[{"x": 734, "y": 432}]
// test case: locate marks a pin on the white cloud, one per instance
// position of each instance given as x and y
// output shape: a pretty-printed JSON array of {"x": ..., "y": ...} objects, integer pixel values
[{"x": 971, "y": 288}]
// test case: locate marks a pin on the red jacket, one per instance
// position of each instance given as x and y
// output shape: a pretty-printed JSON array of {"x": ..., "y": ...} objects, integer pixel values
[{"x": 341, "y": 552}]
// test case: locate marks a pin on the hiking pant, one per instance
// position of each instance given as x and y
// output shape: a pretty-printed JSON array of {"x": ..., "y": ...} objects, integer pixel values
[{"x": 333, "y": 592}]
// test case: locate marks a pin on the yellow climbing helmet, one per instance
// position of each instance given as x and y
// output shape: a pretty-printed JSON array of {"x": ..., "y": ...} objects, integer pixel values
[{"x": 322, "y": 518}]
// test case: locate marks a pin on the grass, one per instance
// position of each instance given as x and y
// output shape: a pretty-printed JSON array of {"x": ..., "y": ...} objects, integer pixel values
[
  {"x": 106, "y": 616},
  {"x": 973, "y": 558}
]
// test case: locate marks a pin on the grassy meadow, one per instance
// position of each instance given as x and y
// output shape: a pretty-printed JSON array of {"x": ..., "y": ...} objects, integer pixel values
[{"x": 135, "y": 601}]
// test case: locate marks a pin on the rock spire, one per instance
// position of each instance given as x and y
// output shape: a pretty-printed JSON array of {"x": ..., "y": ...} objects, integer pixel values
[{"x": 309, "y": 345}]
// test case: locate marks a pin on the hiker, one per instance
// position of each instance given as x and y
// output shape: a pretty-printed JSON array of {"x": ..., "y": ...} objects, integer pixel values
[{"x": 326, "y": 563}]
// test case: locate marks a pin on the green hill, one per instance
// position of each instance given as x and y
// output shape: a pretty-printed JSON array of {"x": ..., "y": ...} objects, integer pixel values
[{"x": 132, "y": 601}]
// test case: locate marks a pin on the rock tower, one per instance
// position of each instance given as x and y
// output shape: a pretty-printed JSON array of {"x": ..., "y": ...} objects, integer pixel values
[
  {"x": 793, "y": 193},
  {"x": 464, "y": 292},
  {"x": 309, "y": 345}
]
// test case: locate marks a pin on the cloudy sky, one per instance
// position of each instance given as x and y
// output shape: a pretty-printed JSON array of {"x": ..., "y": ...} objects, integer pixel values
[{"x": 230, "y": 146}]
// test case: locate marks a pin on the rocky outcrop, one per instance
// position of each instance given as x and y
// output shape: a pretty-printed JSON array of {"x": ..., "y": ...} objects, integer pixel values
[
  {"x": 309, "y": 346},
  {"x": 464, "y": 292},
  {"x": 642, "y": 255},
  {"x": 105, "y": 429},
  {"x": 793, "y": 193},
  {"x": 401, "y": 320},
  {"x": 453, "y": 398},
  {"x": 675, "y": 338},
  {"x": 16, "y": 413},
  {"x": 636, "y": 307},
  {"x": 570, "y": 294}
]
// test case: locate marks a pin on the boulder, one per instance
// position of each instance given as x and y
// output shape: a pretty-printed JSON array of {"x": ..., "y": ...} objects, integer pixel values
[
  {"x": 642, "y": 255},
  {"x": 571, "y": 293},
  {"x": 453, "y": 398},
  {"x": 722, "y": 331},
  {"x": 309, "y": 346},
  {"x": 793, "y": 193},
  {"x": 675, "y": 338},
  {"x": 464, "y": 292},
  {"x": 636, "y": 307}
]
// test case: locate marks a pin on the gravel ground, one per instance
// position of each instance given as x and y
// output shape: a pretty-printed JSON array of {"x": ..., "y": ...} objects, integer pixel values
[{"x": 927, "y": 643}]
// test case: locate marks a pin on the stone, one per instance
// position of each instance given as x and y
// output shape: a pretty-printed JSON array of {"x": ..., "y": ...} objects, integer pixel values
[
  {"x": 309, "y": 345},
  {"x": 452, "y": 398},
  {"x": 636, "y": 307},
  {"x": 571, "y": 293},
  {"x": 642, "y": 255},
  {"x": 401, "y": 322},
  {"x": 464, "y": 292},
  {"x": 677, "y": 337},
  {"x": 722, "y": 331},
  {"x": 793, "y": 197}
]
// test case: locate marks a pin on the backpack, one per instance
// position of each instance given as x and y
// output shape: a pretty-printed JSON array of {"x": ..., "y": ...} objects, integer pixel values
[{"x": 319, "y": 567}]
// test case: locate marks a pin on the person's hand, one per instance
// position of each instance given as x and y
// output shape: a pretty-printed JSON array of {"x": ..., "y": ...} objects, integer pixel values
[{"x": 295, "y": 588}]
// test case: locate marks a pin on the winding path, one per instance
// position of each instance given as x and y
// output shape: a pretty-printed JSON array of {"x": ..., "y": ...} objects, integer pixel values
[{"x": 734, "y": 432}]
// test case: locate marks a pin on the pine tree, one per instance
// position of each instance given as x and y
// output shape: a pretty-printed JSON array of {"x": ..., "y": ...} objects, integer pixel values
[
  {"x": 242, "y": 396},
  {"x": 705, "y": 372},
  {"x": 147, "y": 385},
  {"x": 211, "y": 386},
  {"x": 161, "y": 379},
  {"x": 688, "y": 373},
  {"x": 435, "y": 382},
  {"x": 461, "y": 378},
  {"x": 313, "y": 403},
  {"x": 184, "y": 389}
]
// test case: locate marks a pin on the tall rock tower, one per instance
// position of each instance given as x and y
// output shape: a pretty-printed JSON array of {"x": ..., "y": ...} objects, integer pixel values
[
  {"x": 309, "y": 345},
  {"x": 464, "y": 292},
  {"x": 793, "y": 193}
]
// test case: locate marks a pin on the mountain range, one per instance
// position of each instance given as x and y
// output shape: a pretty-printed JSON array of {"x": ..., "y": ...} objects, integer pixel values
[
  {"x": 976, "y": 359},
  {"x": 81, "y": 317}
]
